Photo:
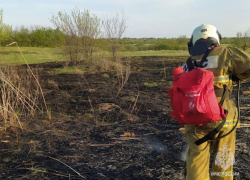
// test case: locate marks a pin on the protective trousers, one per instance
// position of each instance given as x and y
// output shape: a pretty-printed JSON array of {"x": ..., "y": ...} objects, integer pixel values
[{"x": 198, "y": 157}]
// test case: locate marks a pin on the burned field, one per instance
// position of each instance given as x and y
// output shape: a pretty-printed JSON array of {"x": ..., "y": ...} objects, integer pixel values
[{"x": 95, "y": 135}]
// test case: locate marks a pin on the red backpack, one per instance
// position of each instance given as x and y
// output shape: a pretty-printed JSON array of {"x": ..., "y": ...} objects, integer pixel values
[{"x": 192, "y": 97}]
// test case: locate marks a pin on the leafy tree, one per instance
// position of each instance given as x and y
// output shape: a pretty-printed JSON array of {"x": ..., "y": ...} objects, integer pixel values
[
  {"x": 22, "y": 36},
  {"x": 46, "y": 37},
  {"x": 6, "y": 37},
  {"x": 1, "y": 21},
  {"x": 5, "y": 31}
]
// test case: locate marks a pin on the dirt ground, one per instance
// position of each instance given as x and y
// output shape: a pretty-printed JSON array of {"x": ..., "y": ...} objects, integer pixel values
[{"x": 95, "y": 136}]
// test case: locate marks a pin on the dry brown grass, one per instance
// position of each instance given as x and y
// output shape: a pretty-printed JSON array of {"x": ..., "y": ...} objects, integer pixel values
[
  {"x": 246, "y": 92},
  {"x": 123, "y": 72},
  {"x": 20, "y": 91},
  {"x": 121, "y": 66},
  {"x": 101, "y": 65},
  {"x": 18, "y": 96}
]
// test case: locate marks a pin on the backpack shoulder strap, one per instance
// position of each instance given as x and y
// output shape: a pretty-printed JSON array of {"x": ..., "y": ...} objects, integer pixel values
[
  {"x": 210, "y": 135},
  {"x": 192, "y": 64},
  {"x": 204, "y": 57}
]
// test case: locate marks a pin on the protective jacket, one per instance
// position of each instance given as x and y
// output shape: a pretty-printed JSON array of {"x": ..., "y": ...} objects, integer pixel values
[{"x": 223, "y": 62}]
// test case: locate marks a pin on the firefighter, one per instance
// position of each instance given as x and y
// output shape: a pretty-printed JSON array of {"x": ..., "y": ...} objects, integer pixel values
[{"x": 223, "y": 62}]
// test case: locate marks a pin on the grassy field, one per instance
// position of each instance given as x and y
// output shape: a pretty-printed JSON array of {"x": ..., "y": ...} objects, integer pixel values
[
  {"x": 34, "y": 55},
  {"x": 157, "y": 53}
]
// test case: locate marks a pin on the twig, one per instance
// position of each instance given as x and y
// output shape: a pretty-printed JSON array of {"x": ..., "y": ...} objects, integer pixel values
[
  {"x": 164, "y": 70},
  {"x": 44, "y": 171},
  {"x": 81, "y": 73},
  {"x": 124, "y": 75},
  {"x": 93, "y": 110},
  {"x": 67, "y": 166},
  {"x": 135, "y": 100}
]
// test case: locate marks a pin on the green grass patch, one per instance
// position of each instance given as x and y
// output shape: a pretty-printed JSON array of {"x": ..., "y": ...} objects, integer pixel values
[
  {"x": 105, "y": 75},
  {"x": 157, "y": 53},
  {"x": 36, "y": 55},
  {"x": 150, "y": 84},
  {"x": 33, "y": 55},
  {"x": 16, "y": 52}
]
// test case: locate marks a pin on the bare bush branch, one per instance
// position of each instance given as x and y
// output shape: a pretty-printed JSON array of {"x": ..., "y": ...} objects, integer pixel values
[
  {"x": 114, "y": 27},
  {"x": 81, "y": 29},
  {"x": 123, "y": 72}
]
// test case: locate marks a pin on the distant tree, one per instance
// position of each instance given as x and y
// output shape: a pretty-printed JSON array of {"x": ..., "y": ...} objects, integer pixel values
[
  {"x": 1, "y": 21},
  {"x": 22, "y": 36},
  {"x": 5, "y": 31},
  {"x": 6, "y": 37},
  {"x": 239, "y": 35},
  {"x": 58, "y": 37},
  {"x": 238, "y": 38},
  {"x": 81, "y": 30},
  {"x": 37, "y": 36},
  {"x": 247, "y": 34},
  {"x": 114, "y": 28},
  {"x": 46, "y": 37},
  {"x": 182, "y": 39}
]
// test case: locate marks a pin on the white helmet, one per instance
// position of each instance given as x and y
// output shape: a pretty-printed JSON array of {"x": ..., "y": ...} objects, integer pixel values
[{"x": 202, "y": 38}]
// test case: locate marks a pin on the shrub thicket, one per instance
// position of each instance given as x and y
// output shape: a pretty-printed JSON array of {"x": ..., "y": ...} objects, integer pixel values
[
  {"x": 38, "y": 37},
  {"x": 49, "y": 37},
  {"x": 144, "y": 44}
]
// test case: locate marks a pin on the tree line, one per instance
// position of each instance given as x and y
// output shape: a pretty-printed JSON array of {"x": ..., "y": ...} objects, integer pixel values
[
  {"x": 81, "y": 33},
  {"x": 28, "y": 37}
]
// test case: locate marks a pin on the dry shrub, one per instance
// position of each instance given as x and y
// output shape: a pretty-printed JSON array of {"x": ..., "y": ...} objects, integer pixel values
[
  {"x": 123, "y": 72},
  {"x": 19, "y": 95},
  {"x": 101, "y": 65},
  {"x": 121, "y": 66}
]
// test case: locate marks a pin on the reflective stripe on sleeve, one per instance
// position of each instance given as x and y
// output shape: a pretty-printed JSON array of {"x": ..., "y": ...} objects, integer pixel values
[
  {"x": 221, "y": 79},
  {"x": 228, "y": 123}
]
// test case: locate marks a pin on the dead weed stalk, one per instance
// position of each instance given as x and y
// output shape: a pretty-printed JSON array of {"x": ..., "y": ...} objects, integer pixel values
[
  {"x": 123, "y": 73},
  {"x": 81, "y": 74},
  {"x": 135, "y": 103},
  {"x": 93, "y": 111},
  {"x": 68, "y": 167}
]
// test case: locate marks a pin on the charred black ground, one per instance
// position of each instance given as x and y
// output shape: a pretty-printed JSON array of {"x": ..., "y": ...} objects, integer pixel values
[{"x": 94, "y": 135}]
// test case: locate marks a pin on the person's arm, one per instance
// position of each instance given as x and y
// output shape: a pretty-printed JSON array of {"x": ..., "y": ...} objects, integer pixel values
[{"x": 240, "y": 63}]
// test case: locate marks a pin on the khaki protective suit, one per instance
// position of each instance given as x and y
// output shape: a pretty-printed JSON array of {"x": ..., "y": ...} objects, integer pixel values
[{"x": 221, "y": 61}]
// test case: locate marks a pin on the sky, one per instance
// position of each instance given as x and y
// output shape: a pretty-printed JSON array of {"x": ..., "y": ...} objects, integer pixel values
[{"x": 144, "y": 18}]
